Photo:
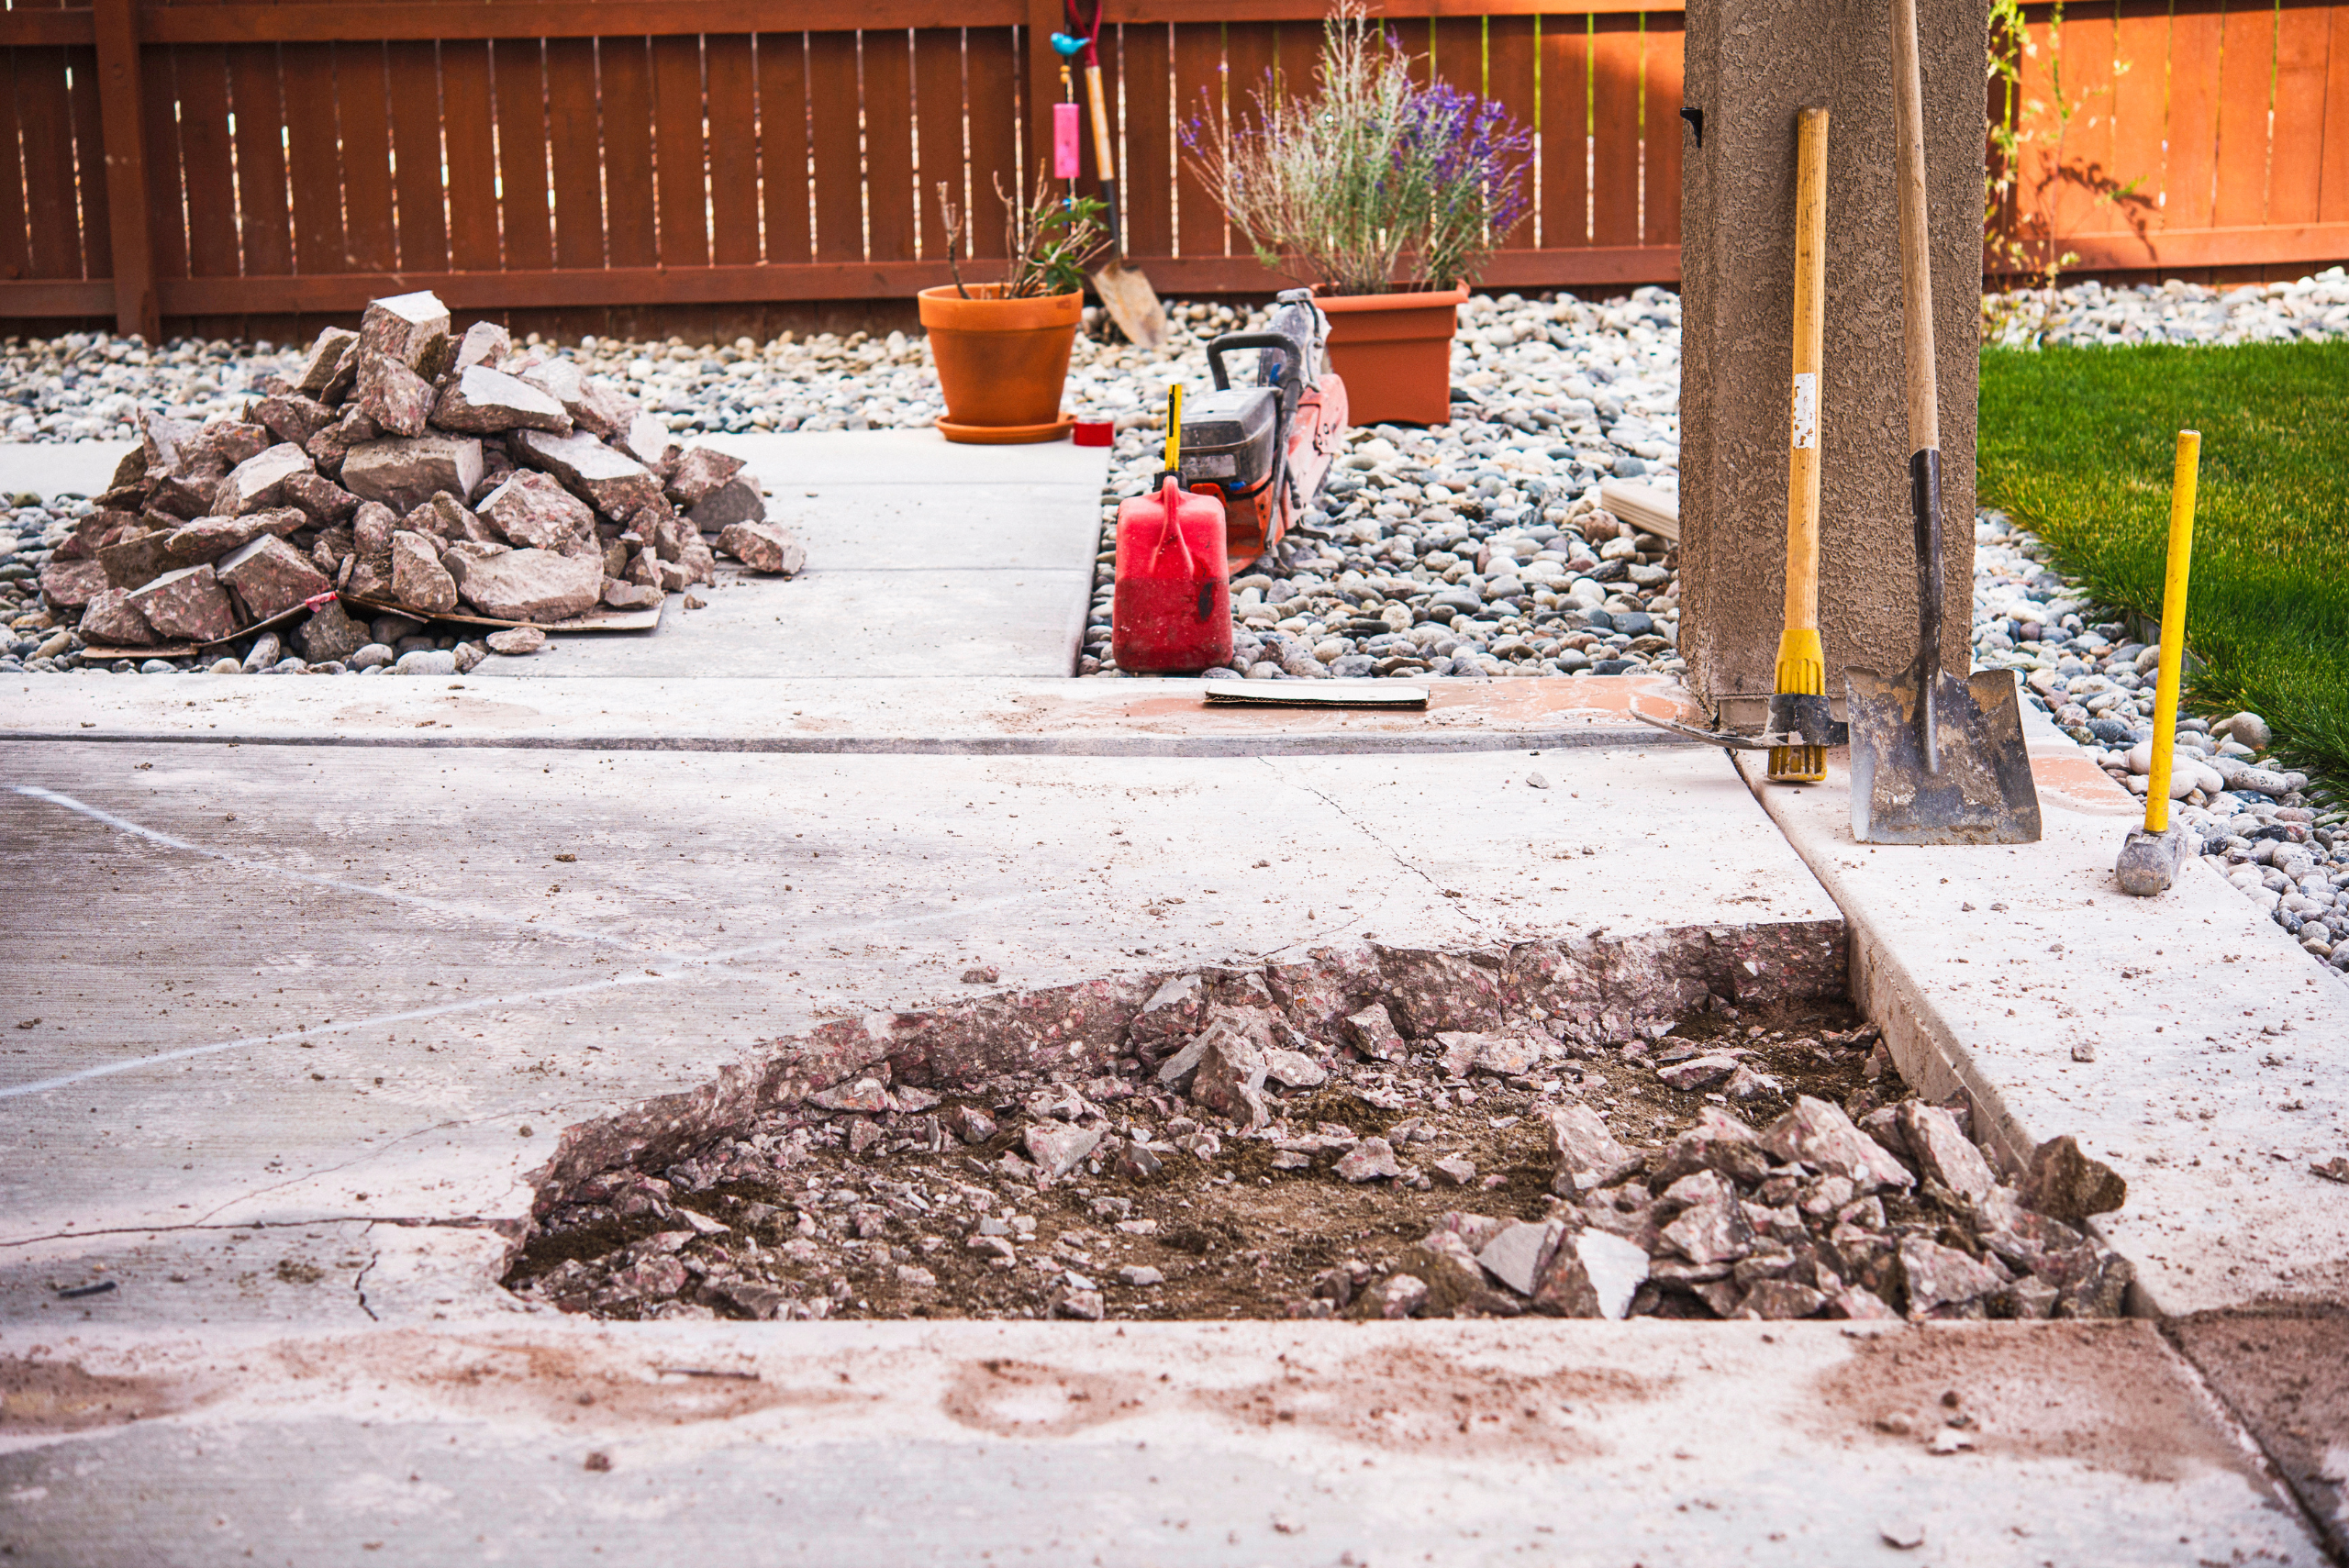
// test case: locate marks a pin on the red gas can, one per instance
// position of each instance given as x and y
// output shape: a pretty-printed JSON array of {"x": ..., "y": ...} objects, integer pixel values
[{"x": 1173, "y": 610}]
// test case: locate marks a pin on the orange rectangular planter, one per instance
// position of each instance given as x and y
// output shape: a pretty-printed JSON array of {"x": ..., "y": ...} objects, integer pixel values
[{"x": 1394, "y": 352}]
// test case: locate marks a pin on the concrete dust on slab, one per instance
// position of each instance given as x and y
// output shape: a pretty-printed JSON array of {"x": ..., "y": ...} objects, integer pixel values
[{"x": 1175, "y": 1443}]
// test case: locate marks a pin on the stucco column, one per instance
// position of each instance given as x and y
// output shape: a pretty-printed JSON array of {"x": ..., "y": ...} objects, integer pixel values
[{"x": 1752, "y": 64}]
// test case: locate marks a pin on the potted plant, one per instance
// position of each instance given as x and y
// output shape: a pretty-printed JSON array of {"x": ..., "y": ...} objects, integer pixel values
[
  {"x": 1385, "y": 196},
  {"x": 1002, "y": 348}
]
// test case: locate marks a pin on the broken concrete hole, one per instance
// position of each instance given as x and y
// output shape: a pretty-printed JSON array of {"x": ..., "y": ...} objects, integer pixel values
[{"x": 1695, "y": 1125}]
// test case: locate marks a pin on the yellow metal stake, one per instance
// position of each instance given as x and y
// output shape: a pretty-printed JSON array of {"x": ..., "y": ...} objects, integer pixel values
[
  {"x": 2181, "y": 558},
  {"x": 1802, "y": 662},
  {"x": 2151, "y": 855}
]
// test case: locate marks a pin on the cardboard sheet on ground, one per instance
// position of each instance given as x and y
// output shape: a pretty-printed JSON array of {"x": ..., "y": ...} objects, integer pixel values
[{"x": 595, "y": 620}]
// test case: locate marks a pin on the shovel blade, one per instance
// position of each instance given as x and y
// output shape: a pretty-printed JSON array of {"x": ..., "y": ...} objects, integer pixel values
[
  {"x": 1133, "y": 303},
  {"x": 1983, "y": 792}
]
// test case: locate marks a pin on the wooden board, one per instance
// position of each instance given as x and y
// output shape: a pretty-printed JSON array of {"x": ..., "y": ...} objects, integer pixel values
[
  {"x": 1312, "y": 694},
  {"x": 1643, "y": 506}
]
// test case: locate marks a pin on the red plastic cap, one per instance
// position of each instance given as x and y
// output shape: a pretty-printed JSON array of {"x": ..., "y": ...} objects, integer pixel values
[{"x": 1094, "y": 432}]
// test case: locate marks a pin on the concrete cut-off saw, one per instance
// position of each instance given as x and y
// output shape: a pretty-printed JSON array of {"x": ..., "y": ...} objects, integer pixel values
[{"x": 1264, "y": 450}]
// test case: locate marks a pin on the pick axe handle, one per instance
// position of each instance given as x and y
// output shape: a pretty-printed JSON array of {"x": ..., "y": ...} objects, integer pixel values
[{"x": 1802, "y": 437}]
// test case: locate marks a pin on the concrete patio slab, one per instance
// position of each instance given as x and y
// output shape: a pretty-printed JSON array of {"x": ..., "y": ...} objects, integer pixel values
[
  {"x": 2185, "y": 1040},
  {"x": 58, "y": 468},
  {"x": 1455, "y": 1443},
  {"x": 909, "y": 715},
  {"x": 924, "y": 557},
  {"x": 294, "y": 985}
]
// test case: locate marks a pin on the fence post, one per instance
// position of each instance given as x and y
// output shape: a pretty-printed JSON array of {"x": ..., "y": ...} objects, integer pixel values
[
  {"x": 122, "y": 124},
  {"x": 1045, "y": 17}
]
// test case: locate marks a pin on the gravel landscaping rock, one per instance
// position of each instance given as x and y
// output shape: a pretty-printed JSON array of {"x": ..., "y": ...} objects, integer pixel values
[{"x": 1470, "y": 550}]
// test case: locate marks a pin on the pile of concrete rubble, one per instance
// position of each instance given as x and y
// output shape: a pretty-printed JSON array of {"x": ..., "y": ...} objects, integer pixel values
[
  {"x": 1232, "y": 1166},
  {"x": 412, "y": 470}
]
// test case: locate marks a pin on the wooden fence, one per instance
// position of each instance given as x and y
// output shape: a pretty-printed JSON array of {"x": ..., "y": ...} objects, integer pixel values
[
  {"x": 197, "y": 161},
  {"x": 264, "y": 163},
  {"x": 2201, "y": 135}
]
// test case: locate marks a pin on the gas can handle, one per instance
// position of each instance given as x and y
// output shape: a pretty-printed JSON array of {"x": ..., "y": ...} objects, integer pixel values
[
  {"x": 1171, "y": 467},
  {"x": 1292, "y": 352}
]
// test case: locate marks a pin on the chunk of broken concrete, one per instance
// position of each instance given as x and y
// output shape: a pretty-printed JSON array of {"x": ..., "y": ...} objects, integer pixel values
[
  {"x": 614, "y": 485},
  {"x": 2063, "y": 1183},
  {"x": 326, "y": 354},
  {"x": 111, "y": 620},
  {"x": 259, "y": 481},
  {"x": 208, "y": 538},
  {"x": 534, "y": 585},
  {"x": 1588, "y": 1154},
  {"x": 517, "y": 640},
  {"x": 1939, "y": 1278},
  {"x": 1230, "y": 1077},
  {"x": 736, "y": 501},
  {"x": 486, "y": 401},
  {"x": 1058, "y": 1149},
  {"x": 70, "y": 584},
  {"x": 1822, "y": 1137},
  {"x": 1591, "y": 1273},
  {"x": 269, "y": 577},
  {"x": 1372, "y": 1032},
  {"x": 1518, "y": 1254},
  {"x": 412, "y": 328},
  {"x": 533, "y": 511},
  {"x": 404, "y": 472},
  {"x": 1371, "y": 1160},
  {"x": 189, "y": 603},
  {"x": 1946, "y": 1154},
  {"x": 392, "y": 395},
  {"x": 699, "y": 473},
  {"x": 419, "y": 579},
  {"x": 328, "y": 633},
  {"x": 764, "y": 547}
]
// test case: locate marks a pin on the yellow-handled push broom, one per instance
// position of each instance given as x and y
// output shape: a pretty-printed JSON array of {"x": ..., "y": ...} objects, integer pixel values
[{"x": 1802, "y": 662}]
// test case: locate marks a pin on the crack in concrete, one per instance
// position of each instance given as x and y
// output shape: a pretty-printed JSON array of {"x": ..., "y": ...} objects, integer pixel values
[
  {"x": 358, "y": 1281},
  {"x": 675, "y": 968},
  {"x": 1370, "y": 833},
  {"x": 406, "y": 1222},
  {"x": 124, "y": 825}
]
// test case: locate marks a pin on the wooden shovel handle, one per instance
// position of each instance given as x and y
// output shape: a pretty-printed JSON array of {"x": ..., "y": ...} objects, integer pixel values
[{"x": 1916, "y": 260}]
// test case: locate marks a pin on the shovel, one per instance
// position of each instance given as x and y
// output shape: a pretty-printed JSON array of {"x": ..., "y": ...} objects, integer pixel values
[
  {"x": 1934, "y": 760},
  {"x": 1125, "y": 294}
]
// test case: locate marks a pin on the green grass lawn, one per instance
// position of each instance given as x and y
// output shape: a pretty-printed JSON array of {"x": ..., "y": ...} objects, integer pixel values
[{"x": 2077, "y": 445}]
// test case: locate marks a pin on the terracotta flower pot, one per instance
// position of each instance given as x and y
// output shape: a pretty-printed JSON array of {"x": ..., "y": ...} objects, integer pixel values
[
  {"x": 1394, "y": 352},
  {"x": 1001, "y": 363}
]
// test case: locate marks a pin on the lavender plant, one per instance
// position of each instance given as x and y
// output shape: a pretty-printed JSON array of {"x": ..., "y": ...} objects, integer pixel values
[{"x": 1369, "y": 176}]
